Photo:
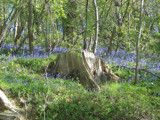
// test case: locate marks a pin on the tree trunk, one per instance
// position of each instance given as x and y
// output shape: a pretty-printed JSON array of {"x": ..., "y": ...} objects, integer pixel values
[
  {"x": 63, "y": 27},
  {"x": 15, "y": 28},
  {"x": 91, "y": 70},
  {"x": 13, "y": 19},
  {"x": 54, "y": 26},
  {"x": 97, "y": 26},
  {"x": 84, "y": 42},
  {"x": 1, "y": 22},
  {"x": 30, "y": 26},
  {"x": 137, "y": 43},
  {"x": 111, "y": 40},
  {"x": 20, "y": 45},
  {"x": 45, "y": 36},
  {"x": 68, "y": 22},
  {"x": 21, "y": 26},
  {"x": 18, "y": 35},
  {"x": 83, "y": 33},
  {"x": 90, "y": 43}
]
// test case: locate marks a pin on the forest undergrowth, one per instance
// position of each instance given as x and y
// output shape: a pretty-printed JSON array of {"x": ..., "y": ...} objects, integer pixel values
[{"x": 62, "y": 98}]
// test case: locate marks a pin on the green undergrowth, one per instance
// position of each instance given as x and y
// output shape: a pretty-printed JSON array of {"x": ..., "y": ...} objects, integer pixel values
[
  {"x": 37, "y": 65},
  {"x": 66, "y": 99}
]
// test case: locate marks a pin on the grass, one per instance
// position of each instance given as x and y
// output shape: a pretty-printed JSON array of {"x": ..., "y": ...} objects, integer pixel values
[{"x": 64, "y": 98}]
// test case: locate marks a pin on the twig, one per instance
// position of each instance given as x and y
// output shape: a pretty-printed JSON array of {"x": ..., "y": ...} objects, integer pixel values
[{"x": 142, "y": 69}]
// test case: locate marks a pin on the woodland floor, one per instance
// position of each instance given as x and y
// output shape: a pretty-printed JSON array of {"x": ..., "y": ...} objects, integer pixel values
[{"x": 23, "y": 79}]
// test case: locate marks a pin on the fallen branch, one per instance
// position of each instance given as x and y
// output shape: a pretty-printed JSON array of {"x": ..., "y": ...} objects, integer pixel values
[
  {"x": 142, "y": 69},
  {"x": 4, "y": 102}
]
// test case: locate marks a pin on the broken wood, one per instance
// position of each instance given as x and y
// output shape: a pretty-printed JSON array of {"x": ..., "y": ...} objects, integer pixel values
[
  {"x": 91, "y": 70},
  {"x": 5, "y": 103},
  {"x": 7, "y": 116}
]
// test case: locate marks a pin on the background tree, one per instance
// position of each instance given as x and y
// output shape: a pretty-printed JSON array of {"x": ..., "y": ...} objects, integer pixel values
[
  {"x": 70, "y": 23},
  {"x": 138, "y": 40},
  {"x": 96, "y": 26},
  {"x": 30, "y": 26},
  {"x": 11, "y": 18}
]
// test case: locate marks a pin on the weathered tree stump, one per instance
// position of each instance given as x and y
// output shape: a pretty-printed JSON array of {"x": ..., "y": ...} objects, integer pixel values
[{"x": 90, "y": 69}]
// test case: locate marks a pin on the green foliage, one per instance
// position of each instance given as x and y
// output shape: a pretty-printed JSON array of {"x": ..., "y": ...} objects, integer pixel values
[
  {"x": 70, "y": 46},
  {"x": 37, "y": 65},
  {"x": 67, "y": 99}
]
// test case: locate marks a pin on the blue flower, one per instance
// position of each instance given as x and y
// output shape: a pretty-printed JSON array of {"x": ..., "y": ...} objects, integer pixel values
[
  {"x": 58, "y": 75},
  {"x": 156, "y": 94},
  {"x": 20, "y": 80},
  {"x": 89, "y": 90},
  {"x": 25, "y": 83}
]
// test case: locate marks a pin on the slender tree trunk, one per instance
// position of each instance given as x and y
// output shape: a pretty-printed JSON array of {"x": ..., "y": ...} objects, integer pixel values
[
  {"x": 84, "y": 41},
  {"x": 21, "y": 44},
  {"x": 129, "y": 31},
  {"x": 1, "y": 22},
  {"x": 63, "y": 27},
  {"x": 54, "y": 28},
  {"x": 18, "y": 35},
  {"x": 72, "y": 35},
  {"x": 5, "y": 30},
  {"x": 30, "y": 26},
  {"x": 119, "y": 23},
  {"x": 45, "y": 35},
  {"x": 21, "y": 26},
  {"x": 4, "y": 15},
  {"x": 83, "y": 34},
  {"x": 47, "y": 43},
  {"x": 137, "y": 43},
  {"x": 16, "y": 24},
  {"x": 90, "y": 42},
  {"x": 97, "y": 26},
  {"x": 111, "y": 40}
]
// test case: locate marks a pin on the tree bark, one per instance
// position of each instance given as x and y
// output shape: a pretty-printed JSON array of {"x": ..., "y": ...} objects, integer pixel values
[
  {"x": 137, "y": 42},
  {"x": 96, "y": 27},
  {"x": 30, "y": 26}
]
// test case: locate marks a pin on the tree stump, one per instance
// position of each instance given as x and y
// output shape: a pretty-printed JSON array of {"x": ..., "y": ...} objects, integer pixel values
[{"x": 91, "y": 70}]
